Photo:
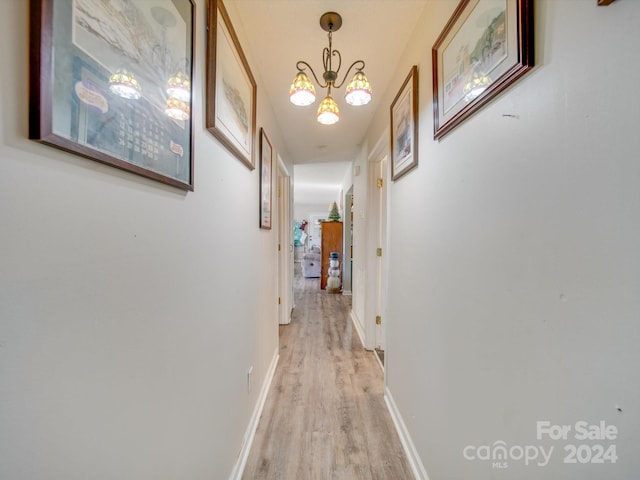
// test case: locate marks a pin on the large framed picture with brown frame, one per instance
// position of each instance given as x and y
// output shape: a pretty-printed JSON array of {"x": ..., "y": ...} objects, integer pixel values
[
  {"x": 114, "y": 85},
  {"x": 484, "y": 48},
  {"x": 404, "y": 126},
  {"x": 231, "y": 88},
  {"x": 266, "y": 172}
]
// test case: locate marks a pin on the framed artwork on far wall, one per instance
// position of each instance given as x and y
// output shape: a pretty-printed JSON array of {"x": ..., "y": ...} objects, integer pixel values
[
  {"x": 266, "y": 169},
  {"x": 404, "y": 127},
  {"x": 485, "y": 47},
  {"x": 230, "y": 87},
  {"x": 115, "y": 88}
]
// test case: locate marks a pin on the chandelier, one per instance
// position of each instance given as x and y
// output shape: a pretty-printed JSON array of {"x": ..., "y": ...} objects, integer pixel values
[
  {"x": 123, "y": 83},
  {"x": 303, "y": 93}
]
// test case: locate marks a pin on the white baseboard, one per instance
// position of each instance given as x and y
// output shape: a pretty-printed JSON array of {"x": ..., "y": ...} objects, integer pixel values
[
  {"x": 287, "y": 321},
  {"x": 358, "y": 327},
  {"x": 238, "y": 468},
  {"x": 417, "y": 467}
]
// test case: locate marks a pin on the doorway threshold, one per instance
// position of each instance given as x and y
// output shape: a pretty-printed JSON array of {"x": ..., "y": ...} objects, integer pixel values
[{"x": 380, "y": 356}]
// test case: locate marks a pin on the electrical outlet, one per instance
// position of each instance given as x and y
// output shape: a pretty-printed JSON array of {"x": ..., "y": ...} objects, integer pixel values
[{"x": 249, "y": 373}]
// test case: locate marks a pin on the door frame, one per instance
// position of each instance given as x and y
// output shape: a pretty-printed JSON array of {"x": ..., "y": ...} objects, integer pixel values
[
  {"x": 347, "y": 269},
  {"x": 285, "y": 244},
  {"x": 377, "y": 237},
  {"x": 383, "y": 261}
]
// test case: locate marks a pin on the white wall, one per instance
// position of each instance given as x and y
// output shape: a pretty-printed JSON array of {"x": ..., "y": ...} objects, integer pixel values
[
  {"x": 130, "y": 311},
  {"x": 303, "y": 211},
  {"x": 345, "y": 185},
  {"x": 515, "y": 268}
]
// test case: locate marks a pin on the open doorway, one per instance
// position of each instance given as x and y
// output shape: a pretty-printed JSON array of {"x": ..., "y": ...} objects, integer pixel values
[{"x": 316, "y": 188}]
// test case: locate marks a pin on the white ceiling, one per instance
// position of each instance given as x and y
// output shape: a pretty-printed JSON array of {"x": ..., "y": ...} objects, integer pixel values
[
  {"x": 318, "y": 183},
  {"x": 278, "y": 33}
]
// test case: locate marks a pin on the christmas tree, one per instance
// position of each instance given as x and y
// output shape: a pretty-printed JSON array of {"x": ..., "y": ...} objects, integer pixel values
[{"x": 334, "y": 215}]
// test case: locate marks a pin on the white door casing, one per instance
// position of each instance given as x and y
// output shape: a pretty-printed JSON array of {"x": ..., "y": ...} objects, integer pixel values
[{"x": 285, "y": 245}]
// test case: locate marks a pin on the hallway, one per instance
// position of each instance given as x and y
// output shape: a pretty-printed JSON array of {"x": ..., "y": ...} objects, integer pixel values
[{"x": 325, "y": 415}]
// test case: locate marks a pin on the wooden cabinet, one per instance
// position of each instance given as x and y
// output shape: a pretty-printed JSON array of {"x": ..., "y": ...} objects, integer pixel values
[{"x": 331, "y": 242}]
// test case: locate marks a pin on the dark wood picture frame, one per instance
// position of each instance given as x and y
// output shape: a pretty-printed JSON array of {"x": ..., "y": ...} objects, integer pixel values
[
  {"x": 266, "y": 176},
  {"x": 73, "y": 107},
  {"x": 230, "y": 87},
  {"x": 404, "y": 126},
  {"x": 502, "y": 48}
]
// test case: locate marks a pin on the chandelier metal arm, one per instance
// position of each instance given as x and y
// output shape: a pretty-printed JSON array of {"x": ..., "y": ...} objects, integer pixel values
[
  {"x": 360, "y": 67},
  {"x": 358, "y": 64},
  {"x": 330, "y": 75},
  {"x": 302, "y": 69}
]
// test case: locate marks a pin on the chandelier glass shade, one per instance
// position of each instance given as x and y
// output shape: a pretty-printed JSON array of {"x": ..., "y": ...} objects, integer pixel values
[
  {"x": 179, "y": 86},
  {"x": 302, "y": 91},
  {"x": 177, "y": 109},
  {"x": 125, "y": 85},
  {"x": 358, "y": 91},
  {"x": 328, "y": 111},
  {"x": 475, "y": 86},
  {"x": 177, "y": 100}
]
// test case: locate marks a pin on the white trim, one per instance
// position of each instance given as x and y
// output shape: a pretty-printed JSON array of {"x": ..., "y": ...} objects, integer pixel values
[
  {"x": 409, "y": 448},
  {"x": 284, "y": 257},
  {"x": 375, "y": 283},
  {"x": 358, "y": 326},
  {"x": 283, "y": 166},
  {"x": 238, "y": 468},
  {"x": 381, "y": 147}
]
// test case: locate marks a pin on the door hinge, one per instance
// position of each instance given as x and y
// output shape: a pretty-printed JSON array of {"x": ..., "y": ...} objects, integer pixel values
[
  {"x": 379, "y": 183},
  {"x": 279, "y": 302},
  {"x": 279, "y": 247},
  {"x": 378, "y": 320},
  {"x": 378, "y": 252}
]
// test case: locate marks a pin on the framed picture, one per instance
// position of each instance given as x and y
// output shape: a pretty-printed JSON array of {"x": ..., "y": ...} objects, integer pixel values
[
  {"x": 231, "y": 89},
  {"x": 404, "y": 127},
  {"x": 118, "y": 88},
  {"x": 266, "y": 169},
  {"x": 485, "y": 47}
]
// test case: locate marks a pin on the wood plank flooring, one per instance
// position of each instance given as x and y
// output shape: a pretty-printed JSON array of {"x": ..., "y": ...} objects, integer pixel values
[{"x": 325, "y": 416}]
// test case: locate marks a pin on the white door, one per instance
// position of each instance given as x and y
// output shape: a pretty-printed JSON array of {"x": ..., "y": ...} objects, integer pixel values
[
  {"x": 377, "y": 253},
  {"x": 315, "y": 229},
  {"x": 382, "y": 259}
]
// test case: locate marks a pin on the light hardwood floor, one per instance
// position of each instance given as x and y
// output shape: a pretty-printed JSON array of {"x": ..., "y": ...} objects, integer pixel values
[{"x": 325, "y": 416}]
